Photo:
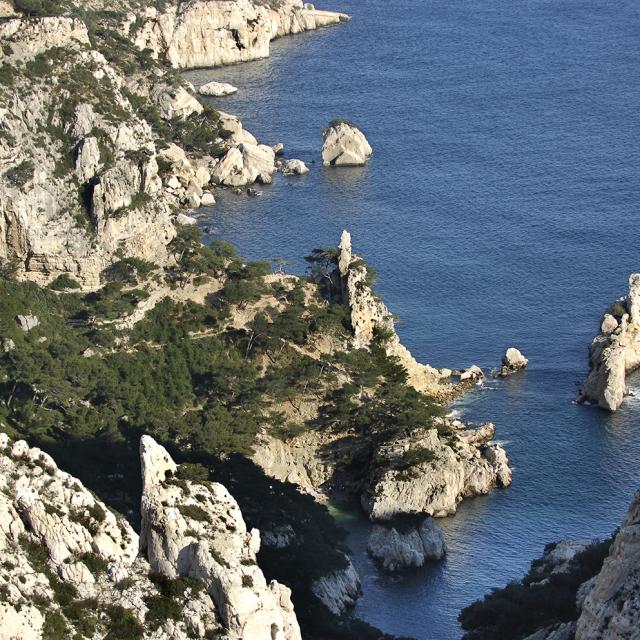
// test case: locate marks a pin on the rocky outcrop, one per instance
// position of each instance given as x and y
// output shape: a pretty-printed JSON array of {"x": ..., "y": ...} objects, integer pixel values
[
  {"x": 294, "y": 168},
  {"x": 615, "y": 352},
  {"x": 70, "y": 564},
  {"x": 209, "y": 33},
  {"x": 344, "y": 145},
  {"x": 400, "y": 549},
  {"x": 78, "y": 176},
  {"x": 611, "y": 610},
  {"x": 245, "y": 164},
  {"x": 512, "y": 361},
  {"x": 462, "y": 464},
  {"x": 217, "y": 89},
  {"x": 339, "y": 589},
  {"x": 196, "y": 529},
  {"x": 370, "y": 318}
]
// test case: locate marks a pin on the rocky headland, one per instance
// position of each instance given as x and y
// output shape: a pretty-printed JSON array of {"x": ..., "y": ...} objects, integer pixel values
[{"x": 615, "y": 351}]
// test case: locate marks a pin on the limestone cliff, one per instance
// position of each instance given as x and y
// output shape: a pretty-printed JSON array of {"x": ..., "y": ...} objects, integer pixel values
[
  {"x": 70, "y": 566},
  {"x": 612, "y": 607},
  {"x": 209, "y": 33},
  {"x": 615, "y": 352},
  {"x": 577, "y": 590},
  {"x": 196, "y": 529}
]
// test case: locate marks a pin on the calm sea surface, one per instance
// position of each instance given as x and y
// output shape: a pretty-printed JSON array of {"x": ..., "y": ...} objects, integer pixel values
[{"x": 500, "y": 208}]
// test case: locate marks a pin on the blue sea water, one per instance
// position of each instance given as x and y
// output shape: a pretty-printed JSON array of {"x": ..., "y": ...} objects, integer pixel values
[{"x": 500, "y": 208}]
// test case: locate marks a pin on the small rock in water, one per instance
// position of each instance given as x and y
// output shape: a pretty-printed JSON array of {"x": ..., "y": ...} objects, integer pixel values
[
  {"x": 473, "y": 373},
  {"x": 398, "y": 550},
  {"x": 512, "y": 361},
  {"x": 253, "y": 192},
  {"x": 185, "y": 220},
  {"x": 217, "y": 89},
  {"x": 294, "y": 167},
  {"x": 278, "y": 149}
]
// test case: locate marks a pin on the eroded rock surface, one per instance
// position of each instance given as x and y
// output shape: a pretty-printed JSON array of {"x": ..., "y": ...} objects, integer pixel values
[
  {"x": 209, "y": 33},
  {"x": 401, "y": 549},
  {"x": 615, "y": 352},
  {"x": 196, "y": 529},
  {"x": 344, "y": 145},
  {"x": 611, "y": 609},
  {"x": 339, "y": 589},
  {"x": 69, "y": 564}
]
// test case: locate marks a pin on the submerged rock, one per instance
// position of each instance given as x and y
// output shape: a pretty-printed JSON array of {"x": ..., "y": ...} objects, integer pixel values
[
  {"x": 615, "y": 352},
  {"x": 344, "y": 145},
  {"x": 402, "y": 549},
  {"x": 217, "y": 89}
]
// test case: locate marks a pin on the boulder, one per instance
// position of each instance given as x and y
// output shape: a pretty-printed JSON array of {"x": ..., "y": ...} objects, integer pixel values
[
  {"x": 27, "y": 322},
  {"x": 344, "y": 145},
  {"x": 207, "y": 199},
  {"x": 294, "y": 167},
  {"x": 183, "y": 219},
  {"x": 396, "y": 550},
  {"x": 278, "y": 149},
  {"x": 245, "y": 164},
  {"x": 472, "y": 374},
  {"x": 217, "y": 89},
  {"x": 512, "y": 361}
]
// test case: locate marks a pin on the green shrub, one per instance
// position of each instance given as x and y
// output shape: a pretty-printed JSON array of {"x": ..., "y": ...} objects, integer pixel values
[
  {"x": 20, "y": 174},
  {"x": 62, "y": 282},
  {"x": 194, "y": 512},
  {"x": 123, "y": 624},
  {"x": 55, "y": 626},
  {"x": 192, "y": 471}
]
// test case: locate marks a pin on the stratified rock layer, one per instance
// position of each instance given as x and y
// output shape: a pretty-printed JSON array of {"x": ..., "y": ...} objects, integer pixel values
[{"x": 196, "y": 529}]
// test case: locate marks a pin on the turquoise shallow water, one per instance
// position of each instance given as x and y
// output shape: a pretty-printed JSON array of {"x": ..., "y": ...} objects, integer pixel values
[{"x": 500, "y": 207}]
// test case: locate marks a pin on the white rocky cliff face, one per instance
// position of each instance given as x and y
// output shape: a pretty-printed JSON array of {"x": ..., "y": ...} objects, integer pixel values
[
  {"x": 398, "y": 550},
  {"x": 196, "y": 529},
  {"x": 344, "y": 145},
  {"x": 209, "y": 33},
  {"x": 615, "y": 352},
  {"x": 611, "y": 609},
  {"x": 70, "y": 565},
  {"x": 465, "y": 463},
  {"x": 338, "y": 590}
]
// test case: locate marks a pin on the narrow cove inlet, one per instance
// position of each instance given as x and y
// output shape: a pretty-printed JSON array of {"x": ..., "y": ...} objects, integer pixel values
[{"x": 319, "y": 322}]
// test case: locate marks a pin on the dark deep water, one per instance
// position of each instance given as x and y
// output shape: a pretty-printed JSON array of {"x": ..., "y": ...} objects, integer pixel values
[{"x": 500, "y": 208}]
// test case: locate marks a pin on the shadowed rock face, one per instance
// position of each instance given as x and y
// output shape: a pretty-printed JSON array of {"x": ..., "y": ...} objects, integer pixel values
[
  {"x": 615, "y": 352},
  {"x": 396, "y": 550},
  {"x": 57, "y": 537},
  {"x": 611, "y": 610},
  {"x": 196, "y": 529}
]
